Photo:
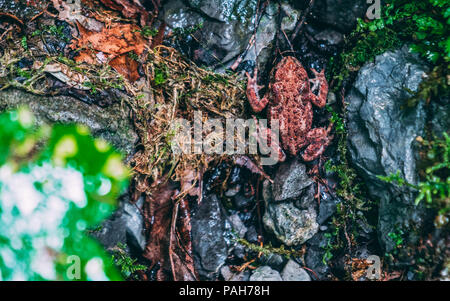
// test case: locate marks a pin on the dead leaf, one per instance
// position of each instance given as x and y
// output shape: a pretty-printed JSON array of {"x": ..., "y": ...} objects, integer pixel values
[
  {"x": 65, "y": 74},
  {"x": 112, "y": 42},
  {"x": 188, "y": 181},
  {"x": 126, "y": 66},
  {"x": 158, "y": 209},
  {"x": 180, "y": 250},
  {"x": 71, "y": 13},
  {"x": 132, "y": 9}
]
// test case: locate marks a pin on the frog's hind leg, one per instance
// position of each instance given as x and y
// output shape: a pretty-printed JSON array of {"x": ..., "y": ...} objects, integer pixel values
[
  {"x": 318, "y": 139},
  {"x": 255, "y": 101}
]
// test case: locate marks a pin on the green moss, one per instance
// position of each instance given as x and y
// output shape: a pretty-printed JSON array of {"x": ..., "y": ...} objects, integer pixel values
[
  {"x": 434, "y": 187},
  {"x": 269, "y": 249},
  {"x": 423, "y": 24}
]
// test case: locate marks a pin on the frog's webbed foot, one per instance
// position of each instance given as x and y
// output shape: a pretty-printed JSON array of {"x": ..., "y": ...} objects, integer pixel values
[
  {"x": 255, "y": 101},
  {"x": 320, "y": 84},
  {"x": 318, "y": 139}
]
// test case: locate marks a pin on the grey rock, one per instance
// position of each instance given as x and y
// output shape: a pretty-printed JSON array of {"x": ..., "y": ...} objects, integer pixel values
[
  {"x": 124, "y": 226},
  {"x": 237, "y": 225},
  {"x": 381, "y": 137},
  {"x": 227, "y": 27},
  {"x": 233, "y": 190},
  {"x": 177, "y": 14},
  {"x": 275, "y": 261},
  {"x": 251, "y": 235},
  {"x": 262, "y": 50},
  {"x": 111, "y": 123},
  {"x": 209, "y": 237},
  {"x": 314, "y": 256},
  {"x": 290, "y": 225},
  {"x": 265, "y": 273},
  {"x": 290, "y": 181},
  {"x": 241, "y": 201},
  {"x": 294, "y": 272},
  {"x": 290, "y": 206},
  {"x": 228, "y": 275},
  {"x": 327, "y": 207},
  {"x": 134, "y": 224}
]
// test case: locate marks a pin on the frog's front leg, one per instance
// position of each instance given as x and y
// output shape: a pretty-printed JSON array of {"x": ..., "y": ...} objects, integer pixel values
[
  {"x": 319, "y": 82},
  {"x": 318, "y": 139},
  {"x": 255, "y": 101}
]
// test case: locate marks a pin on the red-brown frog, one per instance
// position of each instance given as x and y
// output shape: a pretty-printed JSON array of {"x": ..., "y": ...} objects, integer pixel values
[{"x": 289, "y": 99}]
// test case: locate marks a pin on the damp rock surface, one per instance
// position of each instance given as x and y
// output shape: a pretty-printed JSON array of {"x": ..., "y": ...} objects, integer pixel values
[
  {"x": 291, "y": 211},
  {"x": 290, "y": 181},
  {"x": 125, "y": 226},
  {"x": 290, "y": 225},
  {"x": 265, "y": 273},
  {"x": 382, "y": 137},
  {"x": 294, "y": 272},
  {"x": 111, "y": 123},
  {"x": 209, "y": 232}
]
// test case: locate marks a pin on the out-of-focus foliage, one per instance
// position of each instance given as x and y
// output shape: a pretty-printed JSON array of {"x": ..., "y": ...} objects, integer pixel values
[{"x": 55, "y": 183}]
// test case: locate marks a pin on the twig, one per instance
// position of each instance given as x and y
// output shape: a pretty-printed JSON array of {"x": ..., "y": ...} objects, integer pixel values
[{"x": 299, "y": 25}]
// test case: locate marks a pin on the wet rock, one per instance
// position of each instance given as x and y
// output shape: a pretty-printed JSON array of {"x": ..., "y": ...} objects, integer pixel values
[
  {"x": 111, "y": 123},
  {"x": 262, "y": 50},
  {"x": 290, "y": 206},
  {"x": 251, "y": 235},
  {"x": 237, "y": 225},
  {"x": 228, "y": 275},
  {"x": 275, "y": 261},
  {"x": 381, "y": 138},
  {"x": 290, "y": 181},
  {"x": 327, "y": 207},
  {"x": 209, "y": 237},
  {"x": 233, "y": 190},
  {"x": 293, "y": 272},
  {"x": 227, "y": 27},
  {"x": 125, "y": 226},
  {"x": 340, "y": 14},
  {"x": 241, "y": 201},
  {"x": 314, "y": 256},
  {"x": 290, "y": 225},
  {"x": 265, "y": 273}
]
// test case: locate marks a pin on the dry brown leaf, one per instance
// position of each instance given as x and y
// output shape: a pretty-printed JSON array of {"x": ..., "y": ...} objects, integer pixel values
[
  {"x": 126, "y": 66},
  {"x": 180, "y": 250},
  {"x": 188, "y": 181},
  {"x": 65, "y": 74},
  {"x": 158, "y": 209},
  {"x": 71, "y": 12},
  {"x": 112, "y": 42},
  {"x": 129, "y": 9}
]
